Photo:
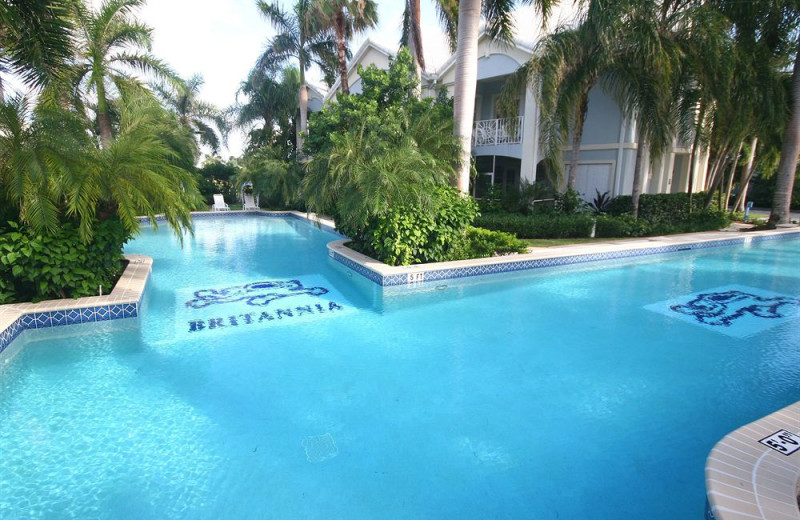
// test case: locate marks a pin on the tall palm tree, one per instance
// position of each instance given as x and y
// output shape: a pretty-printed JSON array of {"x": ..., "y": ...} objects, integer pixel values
[
  {"x": 499, "y": 26},
  {"x": 271, "y": 102},
  {"x": 106, "y": 58},
  {"x": 642, "y": 73},
  {"x": 35, "y": 40},
  {"x": 304, "y": 36},
  {"x": 193, "y": 113},
  {"x": 347, "y": 18},
  {"x": 787, "y": 167},
  {"x": 564, "y": 67},
  {"x": 411, "y": 33}
]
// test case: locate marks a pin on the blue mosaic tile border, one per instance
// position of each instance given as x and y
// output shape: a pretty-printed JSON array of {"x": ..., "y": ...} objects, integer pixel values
[
  {"x": 505, "y": 267},
  {"x": 43, "y": 320}
]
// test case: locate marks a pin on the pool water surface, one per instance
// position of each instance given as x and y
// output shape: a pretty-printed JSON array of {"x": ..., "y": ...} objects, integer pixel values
[{"x": 264, "y": 380}]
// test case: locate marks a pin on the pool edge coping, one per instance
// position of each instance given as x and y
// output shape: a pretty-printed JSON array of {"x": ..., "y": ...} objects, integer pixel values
[
  {"x": 387, "y": 276},
  {"x": 746, "y": 479},
  {"x": 122, "y": 302}
]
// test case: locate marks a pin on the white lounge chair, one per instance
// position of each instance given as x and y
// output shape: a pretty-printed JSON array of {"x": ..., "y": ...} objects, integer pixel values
[
  {"x": 249, "y": 202},
  {"x": 219, "y": 203}
]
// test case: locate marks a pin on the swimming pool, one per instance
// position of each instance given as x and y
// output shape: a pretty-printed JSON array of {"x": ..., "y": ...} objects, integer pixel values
[{"x": 594, "y": 391}]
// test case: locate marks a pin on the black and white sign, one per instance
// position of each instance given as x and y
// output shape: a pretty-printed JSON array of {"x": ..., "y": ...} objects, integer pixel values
[{"x": 782, "y": 441}]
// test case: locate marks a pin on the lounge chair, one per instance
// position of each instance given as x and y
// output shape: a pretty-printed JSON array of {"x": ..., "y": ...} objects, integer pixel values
[
  {"x": 249, "y": 202},
  {"x": 219, "y": 203}
]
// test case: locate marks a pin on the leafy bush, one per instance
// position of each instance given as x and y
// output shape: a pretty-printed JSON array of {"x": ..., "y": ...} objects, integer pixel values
[
  {"x": 569, "y": 202},
  {"x": 39, "y": 266},
  {"x": 482, "y": 243},
  {"x": 538, "y": 226},
  {"x": 517, "y": 199},
  {"x": 405, "y": 235},
  {"x": 609, "y": 226},
  {"x": 662, "y": 208},
  {"x": 600, "y": 202}
]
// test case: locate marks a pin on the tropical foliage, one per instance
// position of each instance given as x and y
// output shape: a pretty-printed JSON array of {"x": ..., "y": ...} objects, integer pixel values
[
  {"x": 95, "y": 149},
  {"x": 269, "y": 110},
  {"x": 303, "y": 35},
  {"x": 204, "y": 120},
  {"x": 381, "y": 156},
  {"x": 709, "y": 73},
  {"x": 347, "y": 18}
]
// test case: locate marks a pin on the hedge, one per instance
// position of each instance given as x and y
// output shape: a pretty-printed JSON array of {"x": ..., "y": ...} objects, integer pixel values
[
  {"x": 574, "y": 225},
  {"x": 659, "y": 208}
]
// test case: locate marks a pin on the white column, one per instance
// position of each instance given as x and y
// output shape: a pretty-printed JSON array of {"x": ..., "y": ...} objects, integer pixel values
[{"x": 530, "y": 137}]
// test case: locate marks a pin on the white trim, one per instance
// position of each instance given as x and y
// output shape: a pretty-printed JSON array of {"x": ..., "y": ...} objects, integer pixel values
[{"x": 354, "y": 61}]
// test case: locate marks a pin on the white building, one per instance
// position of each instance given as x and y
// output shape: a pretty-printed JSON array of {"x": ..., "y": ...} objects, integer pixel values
[{"x": 507, "y": 149}]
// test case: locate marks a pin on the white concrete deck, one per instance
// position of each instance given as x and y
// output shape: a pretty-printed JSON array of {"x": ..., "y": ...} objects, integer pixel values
[
  {"x": 128, "y": 290},
  {"x": 746, "y": 479}
]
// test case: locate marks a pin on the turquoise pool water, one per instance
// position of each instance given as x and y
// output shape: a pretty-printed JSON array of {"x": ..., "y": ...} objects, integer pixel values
[{"x": 593, "y": 391}]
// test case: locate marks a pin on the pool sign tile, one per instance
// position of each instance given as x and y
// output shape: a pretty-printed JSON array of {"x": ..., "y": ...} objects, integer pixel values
[
  {"x": 258, "y": 304},
  {"x": 782, "y": 441},
  {"x": 734, "y": 310}
]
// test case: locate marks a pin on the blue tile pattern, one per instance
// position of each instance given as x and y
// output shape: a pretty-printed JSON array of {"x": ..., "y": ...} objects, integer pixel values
[
  {"x": 723, "y": 308},
  {"x": 257, "y": 294},
  {"x": 40, "y": 320},
  {"x": 505, "y": 267}
]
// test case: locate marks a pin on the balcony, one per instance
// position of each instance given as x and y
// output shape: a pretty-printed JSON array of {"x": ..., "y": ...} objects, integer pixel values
[{"x": 493, "y": 132}]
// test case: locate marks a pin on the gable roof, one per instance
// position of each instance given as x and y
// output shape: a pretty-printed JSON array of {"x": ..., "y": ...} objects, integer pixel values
[
  {"x": 367, "y": 45},
  {"x": 525, "y": 47}
]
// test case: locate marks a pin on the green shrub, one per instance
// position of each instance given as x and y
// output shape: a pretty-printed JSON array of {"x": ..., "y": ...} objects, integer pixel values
[
  {"x": 659, "y": 208},
  {"x": 406, "y": 235},
  {"x": 36, "y": 267},
  {"x": 482, "y": 243},
  {"x": 609, "y": 226},
  {"x": 538, "y": 226}
]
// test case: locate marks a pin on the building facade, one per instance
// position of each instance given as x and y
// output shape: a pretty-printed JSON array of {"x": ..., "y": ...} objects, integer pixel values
[{"x": 506, "y": 149}]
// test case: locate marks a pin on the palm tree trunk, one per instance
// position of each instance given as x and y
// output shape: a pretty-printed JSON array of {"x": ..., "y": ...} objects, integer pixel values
[
  {"x": 303, "y": 102},
  {"x": 341, "y": 51},
  {"x": 731, "y": 176},
  {"x": 103, "y": 118},
  {"x": 415, "y": 42},
  {"x": 469, "y": 16},
  {"x": 747, "y": 176},
  {"x": 716, "y": 178},
  {"x": 636, "y": 192},
  {"x": 695, "y": 146},
  {"x": 577, "y": 137},
  {"x": 787, "y": 167}
]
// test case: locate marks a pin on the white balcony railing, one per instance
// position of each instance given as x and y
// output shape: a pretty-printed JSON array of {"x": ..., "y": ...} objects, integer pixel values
[{"x": 491, "y": 132}]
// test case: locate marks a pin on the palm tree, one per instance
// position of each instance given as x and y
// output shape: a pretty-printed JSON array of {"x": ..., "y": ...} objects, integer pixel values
[
  {"x": 411, "y": 33},
  {"x": 302, "y": 35},
  {"x": 196, "y": 115},
  {"x": 565, "y": 66},
  {"x": 271, "y": 102},
  {"x": 787, "y": 167},
  {"x": 498, "y": 26},
  {"x": 40, "y": 147},
  {"x": 50, "y": 168},
  {"x": 35, "y": 40},
  {"x": 138, "y": 173},
  {"x": 347, "y": 18},
  {"x": 646, "y": 61},
  {"x": 105, "y": 56}
]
